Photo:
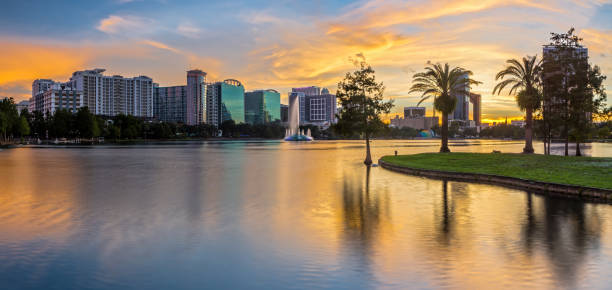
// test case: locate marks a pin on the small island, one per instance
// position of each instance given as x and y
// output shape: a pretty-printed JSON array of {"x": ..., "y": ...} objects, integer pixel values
[{"x": 577, "y": 176}]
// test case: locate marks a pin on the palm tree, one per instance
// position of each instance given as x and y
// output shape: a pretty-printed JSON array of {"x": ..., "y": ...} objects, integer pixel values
[
  {"x": 524, "y": 80},
  {"x": 443, "y": 84}
]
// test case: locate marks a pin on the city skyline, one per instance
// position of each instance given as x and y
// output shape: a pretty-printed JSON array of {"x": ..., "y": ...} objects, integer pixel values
[{"x": 268, "y": 46}]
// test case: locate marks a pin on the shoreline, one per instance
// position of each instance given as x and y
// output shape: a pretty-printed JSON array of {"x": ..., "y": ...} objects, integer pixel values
[{"x": 568, "y": 190}]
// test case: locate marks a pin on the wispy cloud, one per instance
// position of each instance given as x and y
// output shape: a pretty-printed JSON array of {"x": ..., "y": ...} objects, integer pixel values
[
  {"x": 160, "y": 45},
  {"x": 115, "y": 24},
  {"x": 262, "y": 17},
  {"x": 189, "y": 31}
]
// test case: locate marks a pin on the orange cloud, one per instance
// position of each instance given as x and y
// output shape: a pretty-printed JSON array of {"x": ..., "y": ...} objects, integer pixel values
[
  {"x": 160, "y": 45},
  {"x": 24, "y": 61},
  {"x": 379, "y": 13}
]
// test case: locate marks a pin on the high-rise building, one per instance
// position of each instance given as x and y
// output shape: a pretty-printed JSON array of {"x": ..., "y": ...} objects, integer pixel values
[
  {"x": 308, "y": 91},
  {"x": 476, "y": 99},
  {"x": 317, "y": 107},
  {"x": 41, "y": 85},
  {"x": 462, "y": 108},
  {"x": 262, "y": 106},
  {"x": 57, "y": 96},
  {"x": 196, "y": 97},
  {"x": 113, "y": 95},
  {"x": 225, "y": 101},
  {"x": 171, "y": 104},
  {"x": 185, "y": 104},
  {"x": 284, "y": 113},
  {"x": 320, "y": 110}
]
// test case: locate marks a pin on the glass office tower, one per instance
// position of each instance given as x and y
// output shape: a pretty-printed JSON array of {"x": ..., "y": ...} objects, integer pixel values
[
  {"x": 225, "y": 101},
  {"x": 262, "y": 107}
]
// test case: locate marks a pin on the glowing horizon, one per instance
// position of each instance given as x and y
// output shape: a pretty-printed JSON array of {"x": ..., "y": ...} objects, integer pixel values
[{"x": 271, "y": 46}]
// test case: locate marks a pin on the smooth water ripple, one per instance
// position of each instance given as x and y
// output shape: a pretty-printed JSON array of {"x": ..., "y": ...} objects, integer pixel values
[{"x": 235, "y": 215}]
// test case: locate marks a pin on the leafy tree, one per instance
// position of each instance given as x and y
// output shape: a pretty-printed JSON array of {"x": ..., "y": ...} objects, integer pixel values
[
  {"x": 587, "y": 98},
  {"x": 523, "y": 78},
  {"x": 38, "y": 124},
  {"x": 86, "y": 123},
  {"x": 573, "y": 89},
  {"x": 9, "y": 118},
  {"x": 605, "y": 114},
  {"x": 61, "y": 123},
  {"x": 361, "y": 100},
  {"x": 228, "y": 128},
  {"x": 558, "y": 71},
  {"x": 24, "y": 127},
  {"x": 130, "y": 126},
  {"x": 443, "y": 84}
]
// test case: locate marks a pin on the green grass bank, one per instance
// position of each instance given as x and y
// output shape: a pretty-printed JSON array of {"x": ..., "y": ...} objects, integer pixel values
[{"x": 581, "y": 171}]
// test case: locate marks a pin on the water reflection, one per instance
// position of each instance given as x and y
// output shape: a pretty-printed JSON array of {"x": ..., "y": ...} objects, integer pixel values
[
  {"x": 270, "y": 214},
  {"x": 567, "y": 230},
  {"x": 366, "y": 219},
  {"x": 445, "y": 234}
]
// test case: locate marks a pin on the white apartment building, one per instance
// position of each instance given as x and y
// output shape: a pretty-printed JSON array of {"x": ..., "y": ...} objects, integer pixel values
[{"x": 113, "y": 95}]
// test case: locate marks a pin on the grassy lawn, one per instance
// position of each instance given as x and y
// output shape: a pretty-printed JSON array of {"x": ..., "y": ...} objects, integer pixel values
[{"x": 585, "y": 171}]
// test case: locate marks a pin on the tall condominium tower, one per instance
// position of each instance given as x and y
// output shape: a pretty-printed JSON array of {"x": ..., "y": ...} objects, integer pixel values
[
  {"x": 185, "y": 104},
  {"x": 225, "y": 101},
  {"x": 170, "y": 104},
  {"x": 113, "y": 95},
  {"x": 196, "y": 97}
]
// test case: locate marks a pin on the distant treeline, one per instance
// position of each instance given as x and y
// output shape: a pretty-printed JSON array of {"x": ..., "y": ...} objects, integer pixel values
[{"x": 83, "y": 124}]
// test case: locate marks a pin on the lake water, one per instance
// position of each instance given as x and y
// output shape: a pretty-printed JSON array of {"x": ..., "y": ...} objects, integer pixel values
[{"x": 266, "y": 215}]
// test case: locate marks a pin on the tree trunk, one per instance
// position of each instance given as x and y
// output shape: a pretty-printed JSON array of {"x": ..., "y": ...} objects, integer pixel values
[
  {"x": 368, "y": 159},
  {"x": 578, "y": 153},
  {"x": 444, "y": 147},
  {"x": 528, "y": 131}
]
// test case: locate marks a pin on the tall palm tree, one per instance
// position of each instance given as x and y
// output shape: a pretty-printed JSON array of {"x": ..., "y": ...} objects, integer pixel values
[
  {"x": 443, "y": 84},
  {"x": 524, "y": 80}
]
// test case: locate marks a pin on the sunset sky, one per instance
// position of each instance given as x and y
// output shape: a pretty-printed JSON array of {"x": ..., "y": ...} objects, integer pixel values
[{"x": 283, "y": 44}]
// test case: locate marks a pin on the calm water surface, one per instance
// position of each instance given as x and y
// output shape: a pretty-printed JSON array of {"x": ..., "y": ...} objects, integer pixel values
[{"x": 277, "y": 215}]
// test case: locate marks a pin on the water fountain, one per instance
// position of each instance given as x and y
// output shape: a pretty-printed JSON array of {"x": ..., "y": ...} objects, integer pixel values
[{"x": 293, "y": 133}]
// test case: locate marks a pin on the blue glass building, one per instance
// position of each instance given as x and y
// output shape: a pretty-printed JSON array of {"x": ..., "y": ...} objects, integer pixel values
[
  {"x": 262, "y": 107},
  {"x": 225, "y": 101}
]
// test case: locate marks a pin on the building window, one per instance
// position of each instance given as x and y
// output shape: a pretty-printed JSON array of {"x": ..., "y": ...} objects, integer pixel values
[{"x": 317, "y": 109}]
